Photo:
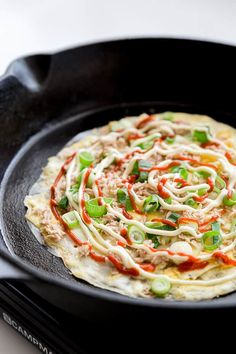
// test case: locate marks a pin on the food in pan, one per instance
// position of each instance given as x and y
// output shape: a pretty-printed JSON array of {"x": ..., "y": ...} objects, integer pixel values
[{"x": 145, "y": 206}]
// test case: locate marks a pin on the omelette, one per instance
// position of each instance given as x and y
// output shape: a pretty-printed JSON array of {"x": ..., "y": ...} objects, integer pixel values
[{"x": 144, "y": 206}]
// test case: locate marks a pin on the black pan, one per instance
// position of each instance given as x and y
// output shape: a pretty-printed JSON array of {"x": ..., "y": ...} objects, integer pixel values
[{"x": 46, "y": 99}]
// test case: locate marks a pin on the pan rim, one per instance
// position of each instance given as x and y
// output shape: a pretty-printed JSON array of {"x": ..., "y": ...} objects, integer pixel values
[
  {"x": 89, "y": 290},
  {"x": 108, "y": 41}
]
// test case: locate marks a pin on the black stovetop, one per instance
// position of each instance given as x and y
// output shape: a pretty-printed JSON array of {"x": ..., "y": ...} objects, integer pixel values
[
  {"x": 55, "y": 332},
  {"x": 48, "y": 328}
]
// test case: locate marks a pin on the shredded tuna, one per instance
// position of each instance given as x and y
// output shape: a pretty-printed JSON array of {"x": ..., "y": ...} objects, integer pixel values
[
  {"x": 52, "y": 231},
  {"x": 83, "y": 251}
]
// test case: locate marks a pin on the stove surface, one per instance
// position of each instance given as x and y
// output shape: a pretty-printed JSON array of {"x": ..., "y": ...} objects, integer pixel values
[
  {"x": 54, "y": 332},
  {"x": 45, "y": 326}
]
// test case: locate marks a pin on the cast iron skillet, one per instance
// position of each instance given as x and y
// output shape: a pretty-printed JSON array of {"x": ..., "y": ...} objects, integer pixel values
[{"x": 46, "y": 99}]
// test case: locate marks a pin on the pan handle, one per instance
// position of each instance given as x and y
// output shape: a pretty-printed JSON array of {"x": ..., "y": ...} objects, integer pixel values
[{"x": 10, "y": 271}]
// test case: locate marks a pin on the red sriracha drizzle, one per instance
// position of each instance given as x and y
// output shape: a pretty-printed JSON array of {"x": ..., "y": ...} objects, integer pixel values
[
  {"x": 201, "y": 225},
  {"x": 225, "y": 259},
  {"x": 190, "y": 265},
  {"x": 85, "y": 216},
  {"x": 165, "y": 221},
  {"x": 120, "y": 243},
  {"x": 135, "y": 136},
  {"x": 127, "y": 215},
  {"x": 211, "y": 184},
  {"x": 97, "y": 258},
  {"x": 230, "y": 193},
  {"x": 182, "y": 181},
  {"x": 144, "y": 121},
  {"x": 148, "y": 267},
  {"x": 185, "y": 158},
  {"x": 210, "y": 143},
  {"x": 183, "y": 219},
  {"x": 99, "y": 188},
  {"x": 131, "y": 179},
  {"x": 160, "y": 188},
  {"x": 200, "y": 199},
  {"x": 229, "y": 157},
  {"x": 124, "y": 233},
  {"x": 212, "y": 219},
  {"x": 119, "y": 266}
]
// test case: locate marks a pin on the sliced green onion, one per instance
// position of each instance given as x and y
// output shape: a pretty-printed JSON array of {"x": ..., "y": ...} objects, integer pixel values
[
  {"x": 181, "y": 170},
  {"x": 79, "y": 178},
  {"x": 153, "y": 225},
  {"x": 147, "y": 142},
  {"x": 124, "y": 200},
  {"x": 219, "y": 184},
  {"x": 94, "y": 210},
  {"x": 211, "y": 240},
  {"x": 174, "y": 217},
  {"x": 74, "y": 189},
  {"x": 216, "y": 190},
  {"x": 86, "y": 197},
  {"x": 86, "y": 159},
  {"x": 136, "y": 235},
  {"x": 200, "y": 136},
  {"x": 135, "y": 170},
  {"x": 230, "y": 201},
  {"x": 90, "y": 179},
  {"x": 183, "y": 173},
  {"x": 170, "y": 140},
  {"x": 155, "y": 240},
  {"x": 203, "y": 174},
  {"x": 108, "y": 200},
  {"x": 215, "y": 226},
  {"x": 70, "y": 219},
  {"x": 156, "y": 243},
  {"x": 151, "y": 203},
  {"x": 191, "y": 202},
  {"x": 75, "y": 197},
  {"x": 63, "y": 203},
  {"x": 159, "y": 226},
  {"x": 167, "y": 116},
  {"x": 128, "y": 205},
  {"x": 161, "y": 286},
  {"x": 168, "y": 200},
  {"x": 202, "y": 191},
  {"x": 146, "y": 145},
  {"x": 175, "y": 169},
  {"x": 121, "y": 196},
  {"x": 166, "y": 227},
  {"x": 143, "y": 176}
]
